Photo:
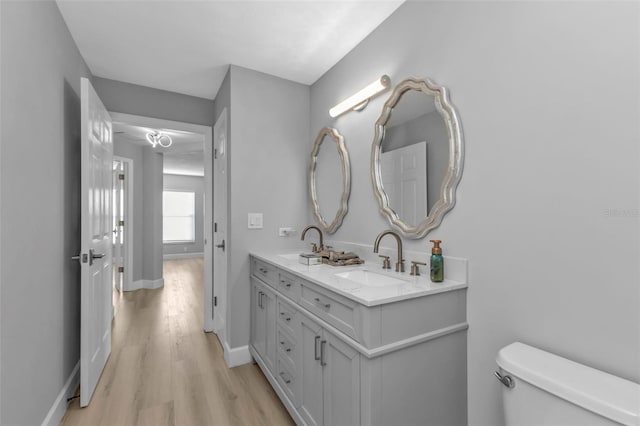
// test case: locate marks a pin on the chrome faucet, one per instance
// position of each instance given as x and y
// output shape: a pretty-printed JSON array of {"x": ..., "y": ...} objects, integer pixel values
[
  {"x": 315, "y": 248},
  {"x": 376, "y": 246}
]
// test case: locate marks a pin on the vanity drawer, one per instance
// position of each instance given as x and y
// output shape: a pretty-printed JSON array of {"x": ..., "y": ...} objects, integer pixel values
[
  {"x": 333, "y": 308},
  {"x": 286, "y": 346},
  {"x": 287, "y": 286},
  {"x": 265, "y": 272},
  {"x": 287, "y": 316},
  {"x": 286, "y": 376}
]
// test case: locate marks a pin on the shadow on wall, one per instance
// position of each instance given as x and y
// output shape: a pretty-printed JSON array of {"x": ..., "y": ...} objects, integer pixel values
[{"x": 72, "y": 222}]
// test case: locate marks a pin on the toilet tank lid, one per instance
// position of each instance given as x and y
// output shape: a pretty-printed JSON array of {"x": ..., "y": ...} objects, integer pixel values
[{"x": 610, "y": 396}]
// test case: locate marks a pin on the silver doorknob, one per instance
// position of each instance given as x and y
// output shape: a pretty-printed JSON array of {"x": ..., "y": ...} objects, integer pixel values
[
  {"x": 93, "y": 255},
  {"x": 81, "y": 257}
]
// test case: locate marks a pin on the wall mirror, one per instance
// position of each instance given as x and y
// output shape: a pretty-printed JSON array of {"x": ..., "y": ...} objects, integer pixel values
[
  {"x": 416, "y": 157},
  {"x": 329, "y": 179}
]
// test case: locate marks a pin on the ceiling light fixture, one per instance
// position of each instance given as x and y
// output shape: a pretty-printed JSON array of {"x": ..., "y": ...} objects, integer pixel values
[
  {"x": 158, "y": 138},
  {"x": 360, "y": 100}
]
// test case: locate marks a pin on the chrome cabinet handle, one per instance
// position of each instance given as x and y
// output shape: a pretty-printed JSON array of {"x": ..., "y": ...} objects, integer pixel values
[
  {"x": 286, "y": 348},
  {"x": 322, "y": 346},
  {"x": 282, "y": 314},
  {"x": 221, "y": 245},
  {"x": 319, "y": 302},
  {"x": 286, "y": 283},
  {"x": 260, "y": 305},
  {"x": 282, "y": 374},
  {"x": 263, "y": 270},
  {"x": 315, "y": 349}
]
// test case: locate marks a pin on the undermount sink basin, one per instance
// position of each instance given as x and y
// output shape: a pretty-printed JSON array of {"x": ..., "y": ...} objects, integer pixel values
[
  {"x": 370, "y": 278},
  {"x": 292, "y": 256}
]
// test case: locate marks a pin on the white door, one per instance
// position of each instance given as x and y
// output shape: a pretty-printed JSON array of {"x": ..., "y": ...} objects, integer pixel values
[
  {"x": 208, "y": 235},
  {"x": 405, "y": 181},
  {"x": 96, "y": 300},
  {"x": 220, "y": 223}
]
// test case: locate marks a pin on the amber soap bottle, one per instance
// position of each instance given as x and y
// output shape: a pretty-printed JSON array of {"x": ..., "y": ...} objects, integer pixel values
[{"x": 437, "y": 262}]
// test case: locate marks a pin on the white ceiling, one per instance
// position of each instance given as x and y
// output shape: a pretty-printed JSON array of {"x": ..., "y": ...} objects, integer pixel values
[{"x": 186, "y": 46}]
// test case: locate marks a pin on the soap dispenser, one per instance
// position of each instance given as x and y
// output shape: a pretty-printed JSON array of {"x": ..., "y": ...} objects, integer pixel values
[{"x": 437, "y": 262}]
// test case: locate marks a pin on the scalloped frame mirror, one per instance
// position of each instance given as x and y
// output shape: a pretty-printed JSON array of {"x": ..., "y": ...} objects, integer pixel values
[
  {"x": 452, "y": 173},
  {"x": 327, "y": 186}
]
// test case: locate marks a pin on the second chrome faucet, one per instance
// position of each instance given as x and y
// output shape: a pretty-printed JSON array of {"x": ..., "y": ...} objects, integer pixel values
[
  {"x": 376, "y": 247},
  {"x": 315, "y": 249}
]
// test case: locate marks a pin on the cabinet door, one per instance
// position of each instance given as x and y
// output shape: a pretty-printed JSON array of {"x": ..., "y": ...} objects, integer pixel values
[
  {"x": 258, "y": 331},
  {"x": 310, "y": 372},
  {"x": 341, "y": 379},
  {"x": 263, "y": 322},
  {"x": 269, "y": 308}
]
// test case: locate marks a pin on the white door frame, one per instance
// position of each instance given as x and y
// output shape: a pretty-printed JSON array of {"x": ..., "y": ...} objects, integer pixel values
[
  {"x": 128, "y": 219},
  {"x": 207, "y": 131}
]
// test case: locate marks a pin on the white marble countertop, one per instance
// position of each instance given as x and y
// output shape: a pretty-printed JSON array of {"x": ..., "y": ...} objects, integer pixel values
[{"x": 325, "y": 276}]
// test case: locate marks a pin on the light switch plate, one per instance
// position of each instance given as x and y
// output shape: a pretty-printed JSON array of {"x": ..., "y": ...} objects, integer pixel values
[{"x": 255, "y": 221}]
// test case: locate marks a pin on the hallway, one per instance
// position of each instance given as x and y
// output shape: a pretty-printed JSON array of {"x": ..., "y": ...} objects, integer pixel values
[{"x": 164, "y": 370}]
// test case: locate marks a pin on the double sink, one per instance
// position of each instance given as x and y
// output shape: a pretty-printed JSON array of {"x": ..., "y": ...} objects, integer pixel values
[{"x": 361, "y": 276}]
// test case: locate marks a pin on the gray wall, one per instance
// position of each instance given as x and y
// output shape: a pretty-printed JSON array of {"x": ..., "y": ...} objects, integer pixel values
[
  {"x": 548, "y": 97},
  {"x": 192, "y": 184},
  {"x": 40, "y": 208},
  {"x": 268, "y": 146},
  {"x": 149, "y": 102},
  {"x": 152, "y": 177},
  {"x": 147, "y": 208}
]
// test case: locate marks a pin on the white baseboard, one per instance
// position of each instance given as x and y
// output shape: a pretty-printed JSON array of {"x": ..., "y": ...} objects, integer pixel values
[
  {"x": 59, "y": 406},
  {"x": 236, "y": 356},
  {"x": 148, "y": 284},
  {"x": 171, "y": 256}
]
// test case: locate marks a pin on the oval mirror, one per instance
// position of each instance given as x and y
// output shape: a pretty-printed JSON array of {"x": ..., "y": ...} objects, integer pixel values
[
  {"x": 329, "y": 188},
  {"x": 416, "y": 157}
]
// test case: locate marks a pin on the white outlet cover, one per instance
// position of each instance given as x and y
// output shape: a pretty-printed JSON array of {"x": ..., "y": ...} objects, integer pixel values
[{"x": 254, "y": 221}]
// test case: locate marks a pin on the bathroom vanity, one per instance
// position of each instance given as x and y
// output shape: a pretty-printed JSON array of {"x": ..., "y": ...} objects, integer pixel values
[{"x": 359, "y": 345}]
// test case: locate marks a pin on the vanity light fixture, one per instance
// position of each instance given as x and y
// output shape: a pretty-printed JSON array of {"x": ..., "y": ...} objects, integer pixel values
[
  {"x": 359, "y": 100},
  {"x": 158, "y": 138}
]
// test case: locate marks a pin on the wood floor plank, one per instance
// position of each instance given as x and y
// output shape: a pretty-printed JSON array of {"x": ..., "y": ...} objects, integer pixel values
[{"x": 164, "y": 370}]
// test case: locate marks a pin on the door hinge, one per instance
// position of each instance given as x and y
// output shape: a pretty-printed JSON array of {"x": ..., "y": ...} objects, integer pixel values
[
  {"x": 215, "y": 300},
  {"x": 121, "y": 176},
  {"x": 215, "y": 154},
  {"x": 120, "y": 268},
  {"x": 121, "y": 223},
  {"x": 215, "y": 227}
]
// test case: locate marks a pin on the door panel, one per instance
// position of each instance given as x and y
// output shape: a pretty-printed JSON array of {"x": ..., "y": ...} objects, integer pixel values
[
  {"x": 96, "y": 244},
  {"x": 220, "y": 220},
  {"x": 341, "y": 377},
  {"x": 311, "y": 398}
]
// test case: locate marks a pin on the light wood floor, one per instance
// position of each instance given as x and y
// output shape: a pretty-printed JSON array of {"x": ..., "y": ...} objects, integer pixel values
[{"x": 164, "y": 370}]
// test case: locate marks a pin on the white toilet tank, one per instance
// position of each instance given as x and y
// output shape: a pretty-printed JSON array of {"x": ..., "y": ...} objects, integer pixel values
[{"x": 551, "y": 390}]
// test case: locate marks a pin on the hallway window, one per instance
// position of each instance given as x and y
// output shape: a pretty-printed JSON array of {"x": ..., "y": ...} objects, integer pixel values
[{"x": 178, "y": 212}]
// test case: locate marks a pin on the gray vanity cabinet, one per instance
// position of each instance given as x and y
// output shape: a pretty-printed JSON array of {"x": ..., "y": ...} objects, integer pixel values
[
  {"x": 336, "y": 362},
  {"x": 263, "y": 322},
  {"x": 329, "y": 377}
]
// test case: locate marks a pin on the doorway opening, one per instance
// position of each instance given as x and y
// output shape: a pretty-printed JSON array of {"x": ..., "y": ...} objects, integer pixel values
[
  {"x": 122, "y": 225},
  {"x": 179, "y": 166}
]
